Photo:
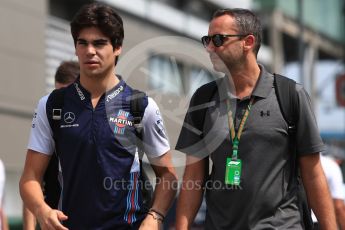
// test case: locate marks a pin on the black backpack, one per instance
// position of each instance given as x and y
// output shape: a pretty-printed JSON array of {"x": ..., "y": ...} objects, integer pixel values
[
  {"x": 289, "y": 105},
  {"x": 51, "y": 186}
]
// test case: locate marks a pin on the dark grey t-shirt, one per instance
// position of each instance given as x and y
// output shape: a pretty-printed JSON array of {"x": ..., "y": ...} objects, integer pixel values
[{"x": 262, "y": 201}]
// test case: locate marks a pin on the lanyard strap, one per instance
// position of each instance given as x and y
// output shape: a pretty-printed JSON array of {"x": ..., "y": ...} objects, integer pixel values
[{"x": 236, "y": 138}]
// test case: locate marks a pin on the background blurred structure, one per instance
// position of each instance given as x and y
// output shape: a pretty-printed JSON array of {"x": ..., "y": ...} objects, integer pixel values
[
  {"x": 163, "y": 56},
  {"x": 307, "y": 39}
]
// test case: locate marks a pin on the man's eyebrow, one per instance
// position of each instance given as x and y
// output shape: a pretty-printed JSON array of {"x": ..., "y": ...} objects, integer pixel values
[
  {"x": 96, "y": 40},
  {"x": 101, "y": 40}
]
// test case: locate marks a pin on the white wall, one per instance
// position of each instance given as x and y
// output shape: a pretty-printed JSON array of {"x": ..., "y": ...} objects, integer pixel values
[{"x": 22, "y": 65}]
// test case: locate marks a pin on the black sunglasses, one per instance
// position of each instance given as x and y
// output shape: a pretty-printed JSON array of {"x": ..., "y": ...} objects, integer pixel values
[{"x": 218, "y": 39}]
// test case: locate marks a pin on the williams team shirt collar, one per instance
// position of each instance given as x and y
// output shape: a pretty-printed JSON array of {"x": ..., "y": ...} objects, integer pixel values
[{"x": 85, "y": 95}]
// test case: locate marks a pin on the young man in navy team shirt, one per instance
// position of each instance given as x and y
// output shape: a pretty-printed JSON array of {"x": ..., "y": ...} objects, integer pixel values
[{"x": 96, "y": 141}]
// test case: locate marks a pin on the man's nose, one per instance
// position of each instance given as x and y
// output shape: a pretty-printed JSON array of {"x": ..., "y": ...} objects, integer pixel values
[
  {"x": 210, "y": 47},
  {"x": 91, "y": 49}
]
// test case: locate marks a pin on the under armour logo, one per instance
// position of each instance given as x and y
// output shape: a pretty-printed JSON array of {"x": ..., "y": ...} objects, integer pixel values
[
  {"x": 262, "y": 113},
  {"x": 69, "y": 117}
]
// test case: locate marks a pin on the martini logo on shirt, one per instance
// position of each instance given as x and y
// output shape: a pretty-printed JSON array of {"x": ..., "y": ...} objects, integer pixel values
[{"x": 121, "y": 122}]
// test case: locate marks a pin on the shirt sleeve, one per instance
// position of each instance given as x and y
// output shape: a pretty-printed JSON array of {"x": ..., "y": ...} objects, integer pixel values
[
  {"x": 308, "y": 135},
  {"x": 190, "y": 140},
  {"x": 41, "y": 135},
  {"x": 155, "y": 139}
]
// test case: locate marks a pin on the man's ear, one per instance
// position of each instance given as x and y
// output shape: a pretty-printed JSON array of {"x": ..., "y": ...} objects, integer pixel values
[
  {"x": 118, "y": 50},
  {"x": 249, "y": 42}
]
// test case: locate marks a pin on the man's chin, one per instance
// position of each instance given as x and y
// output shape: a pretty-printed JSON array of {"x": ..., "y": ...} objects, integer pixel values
[{"x": 220, "y": 67}]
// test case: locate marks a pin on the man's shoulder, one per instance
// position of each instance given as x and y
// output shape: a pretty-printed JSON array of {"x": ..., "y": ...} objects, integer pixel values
[
  {"x": 151, "y": 108},
  {"x": 42, "y": 102},
  {"x": 59, "y": 94},
  {"x": 205, "y": 92},
  {"x": 210, "y": 85},
  {"x": 63, "y": 89},
  {"x": 44, "y": 98}
]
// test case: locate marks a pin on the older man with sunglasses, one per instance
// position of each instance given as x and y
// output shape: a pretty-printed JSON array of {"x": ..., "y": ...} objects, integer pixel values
[{"x": 248, "y": 140}]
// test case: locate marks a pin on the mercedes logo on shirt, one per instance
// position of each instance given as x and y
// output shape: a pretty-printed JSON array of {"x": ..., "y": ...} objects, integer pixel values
[{"x": 69, "y": 117}]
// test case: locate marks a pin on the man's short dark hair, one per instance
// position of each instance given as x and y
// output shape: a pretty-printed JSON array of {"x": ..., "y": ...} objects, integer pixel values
[
  {"x": 247, "y": 23},
  {"x": 67, "y": 72},
  {"x": 102, "y": 17}
]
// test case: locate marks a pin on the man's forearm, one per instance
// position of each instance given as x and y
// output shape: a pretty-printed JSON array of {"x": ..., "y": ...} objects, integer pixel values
[
  {"x": 32, "y": 196},
  {"x": 29, "y": 220},
  {"x": 166, "y": 186},
  {"x": 188, "y": 204},
  {"x": 191, "y": 193},
  {"x": 165, "y": 192},
  {"x": 30, "y": 182},
  {"x": 320, "y": 201},
  {"x": 318, "y": 194}
]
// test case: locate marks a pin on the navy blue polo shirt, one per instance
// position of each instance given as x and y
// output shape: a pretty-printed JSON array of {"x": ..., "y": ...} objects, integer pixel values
[{"x": 97, "y": 152}]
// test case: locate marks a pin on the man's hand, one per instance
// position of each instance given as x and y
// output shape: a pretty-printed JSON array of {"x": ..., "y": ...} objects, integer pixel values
[
  {"x": 50, "y": 219},
  {"x": 31, "y": 192},
  {"x": 150, "y": 223}
]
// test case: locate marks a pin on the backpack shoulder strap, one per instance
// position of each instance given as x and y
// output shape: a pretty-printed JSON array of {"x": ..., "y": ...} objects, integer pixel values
[
  {"x": 289, "y": 106},
  {"x": 200, "y": 103},
  {"x": 137, "y": 108},
  {"x": 287, "y": 99},
  {"x": 138, "y": 104}
]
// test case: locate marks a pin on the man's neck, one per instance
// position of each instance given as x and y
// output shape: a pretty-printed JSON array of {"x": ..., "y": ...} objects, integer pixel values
[
  {"x": 98, "y": 85},
  {"x": 244, "y": 79}
]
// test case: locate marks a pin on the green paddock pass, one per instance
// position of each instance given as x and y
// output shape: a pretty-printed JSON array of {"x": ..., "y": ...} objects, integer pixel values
[{"x": 233, "y": 171}]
